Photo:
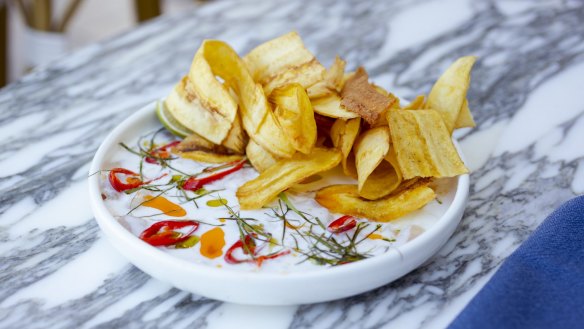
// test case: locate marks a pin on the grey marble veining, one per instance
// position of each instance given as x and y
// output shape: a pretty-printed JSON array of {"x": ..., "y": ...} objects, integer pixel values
[{"x": 527, "y": 154}]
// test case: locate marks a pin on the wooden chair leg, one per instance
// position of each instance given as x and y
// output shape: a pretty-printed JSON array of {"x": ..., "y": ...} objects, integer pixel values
[
  {"x": 3, "y": 44},
  {"x": 147, "y": 9}
]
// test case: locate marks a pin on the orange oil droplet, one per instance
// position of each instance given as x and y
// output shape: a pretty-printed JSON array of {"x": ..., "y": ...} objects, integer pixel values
[
  {"x": 212, "y": 243},
  {"x": 164, "y": 205},
  {"x": 133, "y": 180},
  {"x": 375, "y": 236}
]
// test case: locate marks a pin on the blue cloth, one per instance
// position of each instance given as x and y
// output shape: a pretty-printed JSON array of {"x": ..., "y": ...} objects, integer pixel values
[{"x": 541, "y": 285}]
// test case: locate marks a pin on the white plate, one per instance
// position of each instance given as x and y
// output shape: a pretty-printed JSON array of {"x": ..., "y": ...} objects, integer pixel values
[{"x": 257, "y": 287}]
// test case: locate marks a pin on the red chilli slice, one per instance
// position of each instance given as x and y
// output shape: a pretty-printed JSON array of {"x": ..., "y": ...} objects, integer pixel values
[
  {"x": 251, "y": 247},
  {"x": 196, "y": 183},
  {"x": 250, "y": 243},
  {"x": 131, "y": 181},
  {"x": 161, "y": 152},
  {"x": 163, "y": 233},
  {"x": 342, "y": 224}
]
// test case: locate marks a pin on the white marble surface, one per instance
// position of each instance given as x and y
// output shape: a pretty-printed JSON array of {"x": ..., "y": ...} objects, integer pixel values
[{"x": 527, "y": 155}]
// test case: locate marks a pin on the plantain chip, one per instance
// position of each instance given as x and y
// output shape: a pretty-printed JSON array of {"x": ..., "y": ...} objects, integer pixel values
[
  {"x": 332, "y": 82},
  {"x": 236, "y": 139},
  {"x": 197, "y": 148},
  {"x": 377, "y": 176},
  {"x": 256, "y": 114},
  {"x": 335, "y": 74},
  {"x": 465, "y": 118},
  {"x": 196, "y": 142},
  {"x": 449, "y": 92},
  {"x": 345, "y": 199},
  {"x": 343, "y": 134},
  {"x": 380, "y": 89},
  {"x": 330, "y": 106},
  {"x": 265, "y": 132},
  {"x": 283, "y": 60},
  {"x": 416, "y": 104},
  {"x": 360, "y": 97},
  {"x": 370, "y": 149},
  {"x": 260, "y": 158},
  {"x": 295, "y": 115},
  {"x": 382, "y": 119},
  {"x": 198, "y": 114},
  {"x": 202, "y": 156},
  {"x": 423, "y": 144},
  {"x": 277, "y": 178}
]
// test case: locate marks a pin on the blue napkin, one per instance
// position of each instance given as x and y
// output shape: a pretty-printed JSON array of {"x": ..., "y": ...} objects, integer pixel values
[{"x": 541, "y": 285}]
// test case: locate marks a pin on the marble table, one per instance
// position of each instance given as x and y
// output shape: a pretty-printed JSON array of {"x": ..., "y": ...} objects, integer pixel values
[{"x": 527, "y": 153}]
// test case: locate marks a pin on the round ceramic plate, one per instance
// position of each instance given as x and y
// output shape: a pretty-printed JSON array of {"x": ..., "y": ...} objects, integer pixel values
[{"x": 265, "y": 288}]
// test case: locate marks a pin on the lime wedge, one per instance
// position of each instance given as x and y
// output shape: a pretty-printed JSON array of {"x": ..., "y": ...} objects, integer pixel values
[{"x": 170, "y": 123}]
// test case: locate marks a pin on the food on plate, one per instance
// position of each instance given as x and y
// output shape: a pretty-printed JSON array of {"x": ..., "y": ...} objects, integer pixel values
[
  {"x": 170, "y": 123},
  {"x": 423, "y": 145},
  {"x": 464, "y": 119},
  {"x": 330, "y": 106},
  {"x": 282, "y": 61},
  {"x": 285, "y": 173},
  {"x": 332, "y": 83},
  {"x": 271, "y": 160},
  {"x": 198, "y": 148},
  {"x": 325, "y": 95},
  {"x": 294, "y": 113},
  {"x": 448, "y": 95},
  {"x": 378, "y": 173},
  {"x": 359, "y": 96},
  {"x": 343, "y": 134},
  {"x": 416, "y": 104},
  {"x": 345, "y": 199},
  {"x": 259, "y": 157}
]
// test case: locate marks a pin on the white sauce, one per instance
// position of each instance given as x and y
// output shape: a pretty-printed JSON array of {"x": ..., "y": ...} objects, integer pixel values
[{"x": 302, "y": 196}]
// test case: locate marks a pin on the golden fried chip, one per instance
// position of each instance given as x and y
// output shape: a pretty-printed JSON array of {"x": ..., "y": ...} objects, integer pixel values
[
  {"x": 360, "y": 97},
  {"x": 380, "y": 89},
  {"x": 266, "y": 132},
  {"x": 295, "y": 115},
  {"x": 335, "y": 74},
  {"x": 277, "y": 178},
  {"x": 343, "y": 134},
  {"x": 376, "y": 176},
  {"x": 202, "y": 156},
  {"x": 197, "y": 148},
  {"x": 332, "y": 82},
  {"x": 259, "y": 158},
  {"x": 382, "y": 119},
  {"x": 283, "y": 60},
  {"x": 465, "y": 118},
  {"x": 320, "y": 89},
  {"x": 423, "y": 144},
  {"x": 449, "y": 92},
  {"x": 195, "y": 142},
  {"x": 330, "y": 106},
  {"x": 236, "y": 139},
  {"x": 345, "y": 199},
  {"x": 211, "y": 117},
  {"x": 256, "y": 114},
  {"x": 347, "y": 76},
  {"x": 416, "y": 104},
  {"x": 370, "y": 149}
]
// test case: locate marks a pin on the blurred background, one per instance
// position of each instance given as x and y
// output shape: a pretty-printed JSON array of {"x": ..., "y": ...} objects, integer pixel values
[{"x": 34, "y": 32}]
